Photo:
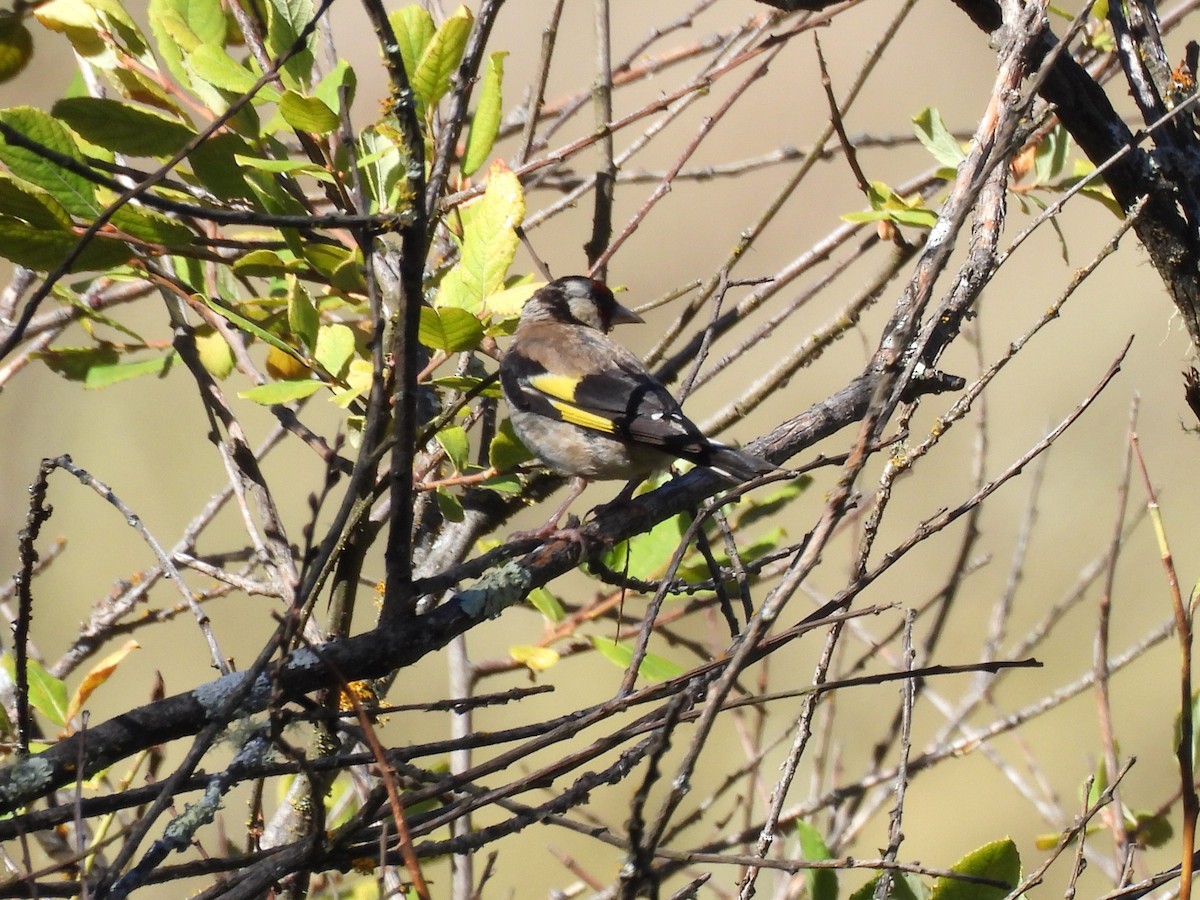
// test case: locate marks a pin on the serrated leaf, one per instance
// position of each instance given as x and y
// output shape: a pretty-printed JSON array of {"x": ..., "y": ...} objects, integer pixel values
[
  {"x": 97, "y": 675},
  {"x": 506, "y": 450},
  {"x": 303, "y": 319},
  {"x": 652, "y": 668},
  {"x": 122, "y": 127},
  {"x": 265, "y": 264},
  {"x": 285, "y": 20},
  {"x": 74, "y": 192},
  {"x": 449, "y": 329},
  {"x": 214, "y": 166},
  {"x": 440, "y": 59},
  {"x": 489, "y": 242},
  {"x": 536, "y": 659},
  {"x": 822, "y": 883},
  {"x": 933, "y": 134},
  {"x": 42, "y": 249},
  {"x": 151, "y": 227},
  {"x": 211, "y": 64},
  {"x": 998, "y": 861},
  {"x": 277, "y": 392},
  {"x": 32, "y": 205},
  {"x": 547, "y": 604},
  {"x": 454, "y": 441},
  {"x": 16, "y": 46},
  {"x": 308, "y": 114},
  {"x": 486, "y": 124},
  {"x": 340, "y": 265},
  {"x": 414, "y": 28},
  {"x": 335, "y": 347}
]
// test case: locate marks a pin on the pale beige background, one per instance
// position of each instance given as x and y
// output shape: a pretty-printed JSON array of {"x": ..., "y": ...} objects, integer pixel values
[{"x": 147, "y": 438}]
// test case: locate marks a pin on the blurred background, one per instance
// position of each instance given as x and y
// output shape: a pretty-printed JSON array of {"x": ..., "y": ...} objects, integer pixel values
[{"x": 147, "y": 438}]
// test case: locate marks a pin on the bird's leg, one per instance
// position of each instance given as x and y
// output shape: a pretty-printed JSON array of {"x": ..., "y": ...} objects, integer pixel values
[{"x": 551, "y": 527}]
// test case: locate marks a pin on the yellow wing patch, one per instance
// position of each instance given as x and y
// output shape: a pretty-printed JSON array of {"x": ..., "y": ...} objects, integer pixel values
[
  {"x": 583, "y": 418},
  {"x": 560, "y": 386}
]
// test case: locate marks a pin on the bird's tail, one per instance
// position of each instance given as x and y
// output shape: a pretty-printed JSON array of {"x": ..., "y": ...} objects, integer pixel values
[{"x": 736, "y": 465}]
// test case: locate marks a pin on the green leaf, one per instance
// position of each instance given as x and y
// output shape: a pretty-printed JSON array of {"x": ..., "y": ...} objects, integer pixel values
[
  {"x": 486, "y": 124},
  {"x": 247, "y": 325},
  {"x": 503, "y": 484},
  {"x": 431, "y": 78},
  {"x": 105, "y": 375},
  {"x": 506, "y": 450},
  {"x": 489, "y": 243},
  {"x": 449, "y": 329},
  {"x": 414, "y": 28},
  {"x": 265, "y": 264},
  {"x": 547, "y": 604},
  {"x": 933, "y": 134},
  {"x": 308, "y": 114},
  {"x": 285, "y": 20},
  {"x": 74, "y": 192},
  {"x": 454, "y": 441},
  {"x": 43, "y": 249},
  {"x": 335, "y": 348},
  {"x": 213, "y": 163},
  {"x": 211, "y": 64},
  {"x": 887, "y": 205},
  {"x": 330, "y": 88},
  {"x": 466, "y": 383},
  {"x": 652, "y": 668},
  {"x": 449, "y": 505},
  {"x": 647, "y": 555},
  {"x": 122, "y": 127},
  {"x": 504, "y": 307},
  {"x": 47, "y": 694},
  {"x": 1150, "y": 830},
  {"x": 33, "y": 205},
  {"x": 152, "y": 227},
  {"x": 303, "y": 319},
  {"x": 822, "y": 883},
  {"x": 180, "y": 26},
  {"x": 998, "y": 861},
  {"x": 340, "y": 265},
  {"x": 904, "y": 887},
  {"x": 1050, "y": 158},
  {"x": 277, "y": 392},
  {"x": 74, "y": 363}
]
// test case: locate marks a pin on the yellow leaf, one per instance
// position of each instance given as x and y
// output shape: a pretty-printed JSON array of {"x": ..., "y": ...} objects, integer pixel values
[
  {"x": 99, "y": 674},
  {"x": 489, "y": 242},
  {"x": 536, "y": 659}
]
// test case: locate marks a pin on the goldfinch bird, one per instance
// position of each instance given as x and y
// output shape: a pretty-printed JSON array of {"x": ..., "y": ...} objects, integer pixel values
[{"x": 587, "y": 407}]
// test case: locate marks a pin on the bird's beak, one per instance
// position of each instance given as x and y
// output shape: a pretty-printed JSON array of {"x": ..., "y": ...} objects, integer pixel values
[{"x": 623, "y": 315}]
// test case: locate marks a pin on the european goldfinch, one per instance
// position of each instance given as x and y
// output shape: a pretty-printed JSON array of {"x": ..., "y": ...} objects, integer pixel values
[{"x": 587, "y": 407}]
